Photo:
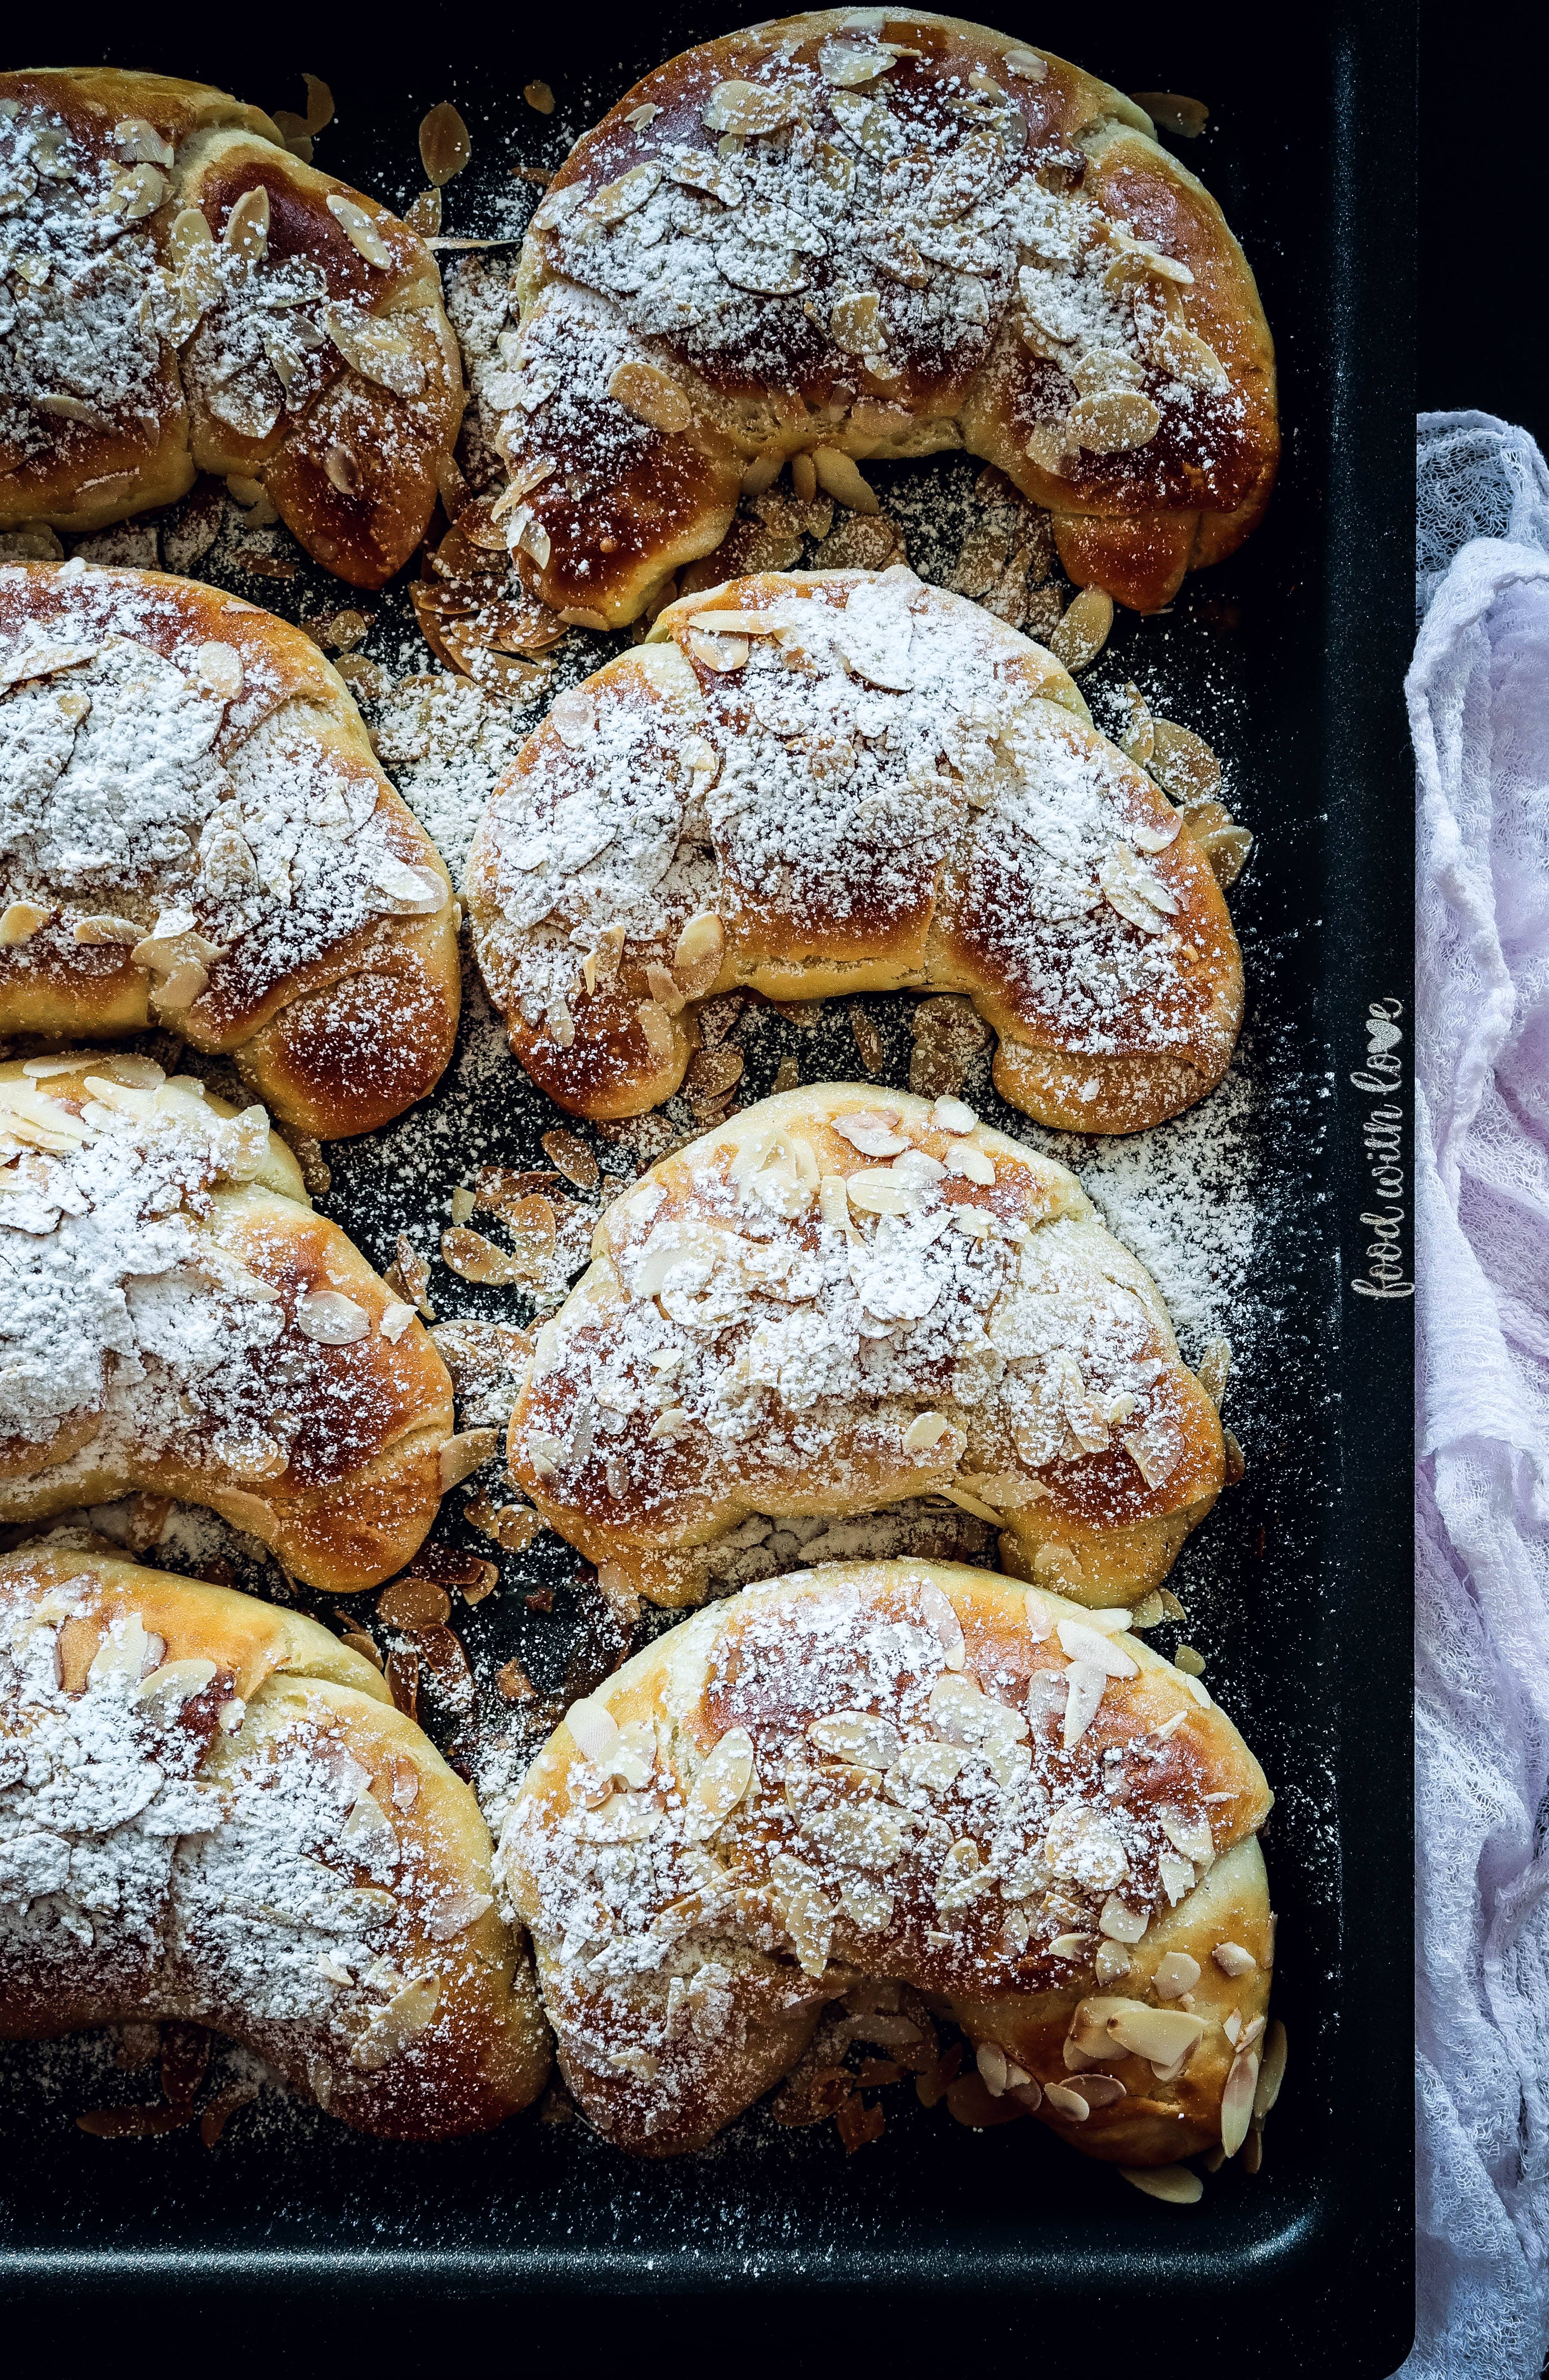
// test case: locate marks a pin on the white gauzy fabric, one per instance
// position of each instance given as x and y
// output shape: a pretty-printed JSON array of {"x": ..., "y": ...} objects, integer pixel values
[{"x": 1479, "y": 706}]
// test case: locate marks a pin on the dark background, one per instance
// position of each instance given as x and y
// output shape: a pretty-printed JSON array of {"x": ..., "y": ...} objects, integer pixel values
[{"x": 1483, "y": 208}]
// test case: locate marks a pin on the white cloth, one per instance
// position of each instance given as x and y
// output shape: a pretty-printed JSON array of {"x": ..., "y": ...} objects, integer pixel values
[{"x": 1479, "y": 706}]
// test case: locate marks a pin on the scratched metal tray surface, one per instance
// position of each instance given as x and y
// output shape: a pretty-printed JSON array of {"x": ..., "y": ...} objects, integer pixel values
[{"x": 1289, "y": 660}]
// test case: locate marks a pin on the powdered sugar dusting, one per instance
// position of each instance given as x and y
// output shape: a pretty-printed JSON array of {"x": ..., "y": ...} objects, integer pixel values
[
  {"x": 876, "y": 766},
  {"x": 151, "y": 772}
]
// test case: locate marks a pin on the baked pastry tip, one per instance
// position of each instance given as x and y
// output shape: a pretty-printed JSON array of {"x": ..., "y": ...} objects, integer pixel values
[{"x": 195, "y": 832}]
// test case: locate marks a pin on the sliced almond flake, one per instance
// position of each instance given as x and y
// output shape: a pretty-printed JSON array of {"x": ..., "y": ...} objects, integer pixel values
[
  {"x": 1273, "y": 2072},
  {"x": 360, "y": 229},
  {"x": 444, "y": 143},
  {"x": 1155, "y": 1451},
  {"x": 1085, "y": 1685},
  {"x": 20, "y": 922},
  {"x": 722, "y": 655},
  {"x": 1174, "y": 111},
  {"x": 335, "y": 1320},
  {"x": 701, "y": 169},
  {"x": 45, "y": 660},
  {"x": 1176, "y": 1874},
  {"x": 748, "y": 109},
  {"x": 1083, "y": 630},
  {"x": 463, "y": 1453},
  {"x": 247, "y": 227},
  {"x": 1183, "y": 763},
  {"x": 840, "y": 477},
  {"x": 1174, "y": 2183},
  {"x": 615, "y": 200}
]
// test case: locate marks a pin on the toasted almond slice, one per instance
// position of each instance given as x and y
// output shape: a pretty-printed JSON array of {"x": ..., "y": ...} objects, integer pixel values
[
  {"x": 1174, "y": 2183},
  {"x": 724, "y": 1779},
  {"x": 658, "y": 1031},
  {"x": 840, "y": 478},
  {"x": 615, "y": 200},
  {"x": 327, "y": 1315},
  {"x": 975, "y": 1164},
  {"x": 926, "y": 1429},
  {"x": 463, "y": 1454},
  {"x": 140, "y": 143},
  {"x": 1183, "y": 763},
  {"x": 107, "y": 928},
  {"x": 1237, "y": 2100},
  {"x": 699, "y": 954},
  {"x": 1084, "y": 631},
  {"x": 652, "y": 396},
  {"x": 1083, "y": 1643},
  {"x": 879, "y": 1192},
  {"x": 360, "y": 229},
  {"x": 218, "y": 668},
  {"x": 1085, "y": 1685},
  {"x": 720, "y": 653},
  {"x": 1176, "y": 1973},
  {"x": 737, "y": 623},
  {"x": 747, "y": 109},
  {"x": 1273, "y": 2073},
  {"x": 247, "y": 230},
  {"x": 20, "y": 922},
  {"x": 1115, "y": 422},
  {"x": 444, "y": 143}
]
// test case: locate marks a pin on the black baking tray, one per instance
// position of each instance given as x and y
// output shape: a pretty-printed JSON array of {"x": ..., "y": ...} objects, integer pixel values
[{"x": 1291, "y": 657}]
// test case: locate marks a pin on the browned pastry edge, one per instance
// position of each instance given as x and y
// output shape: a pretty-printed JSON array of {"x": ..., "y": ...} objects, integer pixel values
[
  {"x": 485, "y": 2053},
  {"x": 224, "y": 148}
]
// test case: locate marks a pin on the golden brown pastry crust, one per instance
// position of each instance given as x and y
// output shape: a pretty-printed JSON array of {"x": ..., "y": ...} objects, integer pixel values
[
  {"x": 218, "y": 768},
  {"x": 345, "y": 429},
  {"x": 691, "y": 1925},
  {"x": 892, "y": 790},
  {"x": 281, "y": 1734},
  {"x": 884, "y": 240},
  {"x": 328, "y": 1449},
  {"x": 818, "y": 1356}
]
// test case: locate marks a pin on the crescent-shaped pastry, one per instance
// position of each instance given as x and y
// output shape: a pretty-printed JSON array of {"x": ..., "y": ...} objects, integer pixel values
[
  {"x": 843, "y": 1300},
  {"x": 213, "y": 1813},
  {"x": 819, "y": 784},
  {"x": 901, "y": 1774},
  {"x": 185, "y": 295},
  {"x": 849, "y": 239},
  {"x": 176, "y": 1319},
  {"x": 194, "y": 831}
]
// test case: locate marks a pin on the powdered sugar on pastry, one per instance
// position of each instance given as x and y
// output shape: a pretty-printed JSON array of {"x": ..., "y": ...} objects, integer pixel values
[
  {"x": 178, "y": 1320},
  {"x": 892, "y": 1771},
  {"x": 808, "y": 236},
  {"x": 183, "y": 287},
  {"x": 848, "y": 773},
  {"x": 212, "y": 1812},
  {"x": 838, "y": 1303},
  {"x": 153, "y": 774}
]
